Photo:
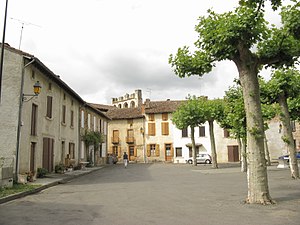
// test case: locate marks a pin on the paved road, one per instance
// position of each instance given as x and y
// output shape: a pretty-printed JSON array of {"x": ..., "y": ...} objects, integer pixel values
[{"x": 159, "y": 194}]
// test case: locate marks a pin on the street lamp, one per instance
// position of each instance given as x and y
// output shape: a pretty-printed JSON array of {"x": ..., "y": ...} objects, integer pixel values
[
  {"x": 36, "y": 89},
  {"x": 23, "y": 98}
]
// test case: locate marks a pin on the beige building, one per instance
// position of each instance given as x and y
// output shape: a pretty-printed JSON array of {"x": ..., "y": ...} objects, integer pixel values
[
  {"x": 40, "y": 131},
  {"x": 93, "y": 122}
]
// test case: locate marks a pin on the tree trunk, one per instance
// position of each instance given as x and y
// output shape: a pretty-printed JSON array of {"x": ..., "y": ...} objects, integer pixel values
[
  {"x": 243, "y": 155},
  {"x": 213, "y": 145},
  {"x": 193, "y": 145},
  {"x": 267, "y": 151},
  {"x": 258, "y": 189},
  {"x": 288, "y": 135}
]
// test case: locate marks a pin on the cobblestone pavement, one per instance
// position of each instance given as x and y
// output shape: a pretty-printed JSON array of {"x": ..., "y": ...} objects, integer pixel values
[{"x": 157, "y": 194}]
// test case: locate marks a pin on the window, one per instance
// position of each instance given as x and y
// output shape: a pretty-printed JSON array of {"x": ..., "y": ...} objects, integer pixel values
[
  {"x": 72, "y": 118},
  {"x": 132, "y": 104},
  {"x": 49, "y": 106},
  {"x": 178, "y": 152},
  {"x": 115, "y": 136},
  {"x": 151, "y": 150},
  {"x": 151, "y": 117},
  {"x": 64, "y": 96},
  {"x": 82, "y": 150},
  {"x": 165, "y": 128},
  {"x": 164, "y": 116},
  {"x": 132, "y": 152},
  {"x": 34, "y": 120},
  {"x": 95, "y": 123},
  {"x": 100, "y": 126},
  {"x": 202, "y": 131},
  {"x": 72, "y": 150},
  {"x": 63, "y": 114},
  {"x": 130, "y": 136},
  {"x": 82, "y": 118},
  {"x": 151, "y": 129},
  {"x": 125, "y": 105},
  {"x": 184, "y": 132},
  {"x": 168, "y": 149},
  {"x": 89, "y": 121},
  {"x": 50, "y": 87},
  {"x": 226, "y": 133},
  {"x": 104, "y": 127}
]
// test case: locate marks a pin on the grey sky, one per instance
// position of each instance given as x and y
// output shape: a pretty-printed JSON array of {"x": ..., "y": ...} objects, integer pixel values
[{"x": 107, "y": 48}]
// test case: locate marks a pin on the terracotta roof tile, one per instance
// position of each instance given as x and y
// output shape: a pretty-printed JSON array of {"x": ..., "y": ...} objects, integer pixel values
[
  {"x": 163, "y": 106},
  {"x": 126, "y": 113}
]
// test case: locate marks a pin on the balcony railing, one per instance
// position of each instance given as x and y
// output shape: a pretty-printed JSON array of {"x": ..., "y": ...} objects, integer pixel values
[
  {"x": 129, "y": 139},
  {"x": 115, "y": 140}
]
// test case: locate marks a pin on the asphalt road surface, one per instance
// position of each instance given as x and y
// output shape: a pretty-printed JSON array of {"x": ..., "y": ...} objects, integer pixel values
[{"x": 159, "y": 194}]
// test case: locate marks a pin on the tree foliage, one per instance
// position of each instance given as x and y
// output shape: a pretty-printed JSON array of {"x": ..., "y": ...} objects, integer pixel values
[{"x": 244, "y": 37}]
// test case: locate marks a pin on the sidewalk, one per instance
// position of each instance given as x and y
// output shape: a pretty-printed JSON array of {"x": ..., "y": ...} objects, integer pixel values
[{"x": 51, "y": 180}]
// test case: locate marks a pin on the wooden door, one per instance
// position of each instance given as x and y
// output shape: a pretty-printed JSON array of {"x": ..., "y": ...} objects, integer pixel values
[
  {"x": 233, "y": 153},
  {"x": 48, "y": 144},
  {"x": 169, "y": 152}
]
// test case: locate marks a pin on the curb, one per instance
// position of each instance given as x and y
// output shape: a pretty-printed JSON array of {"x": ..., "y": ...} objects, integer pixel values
[{"x": 43, "y": 187}]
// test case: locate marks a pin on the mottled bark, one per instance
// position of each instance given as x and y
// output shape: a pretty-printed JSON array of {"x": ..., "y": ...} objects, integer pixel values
[
  {"x": 267, "y": 151},
  {"x": 213, "y": 145},
  {"x": 288, "y": 135},
  {"x": 258, "y": 188},
  {"x": 193, "y": 145},
  {"x": 243, "y": 155}
]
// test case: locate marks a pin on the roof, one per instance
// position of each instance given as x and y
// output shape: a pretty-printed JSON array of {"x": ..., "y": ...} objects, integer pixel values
[
  {"x": 46, "y": 71},
  {"x": 102, "y": 107},
  {"x": 125, "y": 113},
  {"x": 162, "y": 106},
  {"x": 99, "y": 112}
]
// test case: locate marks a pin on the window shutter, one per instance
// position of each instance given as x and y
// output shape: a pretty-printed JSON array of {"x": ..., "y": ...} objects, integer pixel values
[
  {"x": 157, "y": 151},
  {"x": 151, "y": 129},
  {"x": 172, "y": 151},
  {"x": 148, "y": 151},
  {"x": 135, "y": 152},
  {"x": 165, "y": 128},
  {"x": 119, "y": 152},
  {"x": 165, "y": 116},
  {"x": 49, "y": 106}
]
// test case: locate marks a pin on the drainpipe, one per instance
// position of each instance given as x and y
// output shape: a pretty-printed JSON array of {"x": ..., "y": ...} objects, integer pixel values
[{"x": 20, "y": 117}]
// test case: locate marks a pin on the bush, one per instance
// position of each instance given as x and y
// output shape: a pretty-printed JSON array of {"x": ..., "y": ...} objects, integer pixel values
[
  {"x": 60, "y": 168},
  {"x": 41, "y": 172}
]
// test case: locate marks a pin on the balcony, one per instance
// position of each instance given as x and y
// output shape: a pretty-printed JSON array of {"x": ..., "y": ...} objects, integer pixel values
[
  {"x": 129, "y": 140},
  {"x": 115, "y": 140}
]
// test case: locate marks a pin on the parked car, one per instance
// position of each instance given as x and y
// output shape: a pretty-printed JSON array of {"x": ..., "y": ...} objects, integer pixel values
[
  {"x": 287, "y": 157},
  {"x": 201, "y": 158}
]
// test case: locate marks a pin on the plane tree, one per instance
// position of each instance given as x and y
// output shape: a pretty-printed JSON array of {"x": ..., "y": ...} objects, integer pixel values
[
  {"x": 235, "y": 120},
  {"x": 283, "y": 85},
  {"x": 244, "y": 37},
  {"x": 189, "y": 114}
]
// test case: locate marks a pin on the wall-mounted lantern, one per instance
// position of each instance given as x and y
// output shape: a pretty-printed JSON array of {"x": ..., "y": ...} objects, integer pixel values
[
  {"x": 36, "y": 89},
  {"x": 142, "y": 130}
]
